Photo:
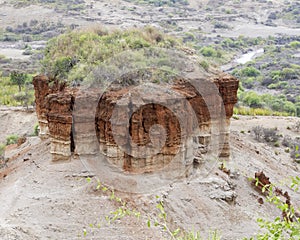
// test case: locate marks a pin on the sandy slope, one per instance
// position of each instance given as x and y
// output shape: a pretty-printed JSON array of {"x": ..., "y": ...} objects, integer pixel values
[
  {"x": 16, "y": 121},
  {"x": 45, "y": 200}
]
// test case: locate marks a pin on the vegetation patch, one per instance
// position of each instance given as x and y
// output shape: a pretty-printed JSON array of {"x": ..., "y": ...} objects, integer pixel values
[
  {"x": 58, "y": 5},
  {"x": 16, "y": 94},
  {"x": 79, "y": 56},
  {"x": 159, "y": 3}
]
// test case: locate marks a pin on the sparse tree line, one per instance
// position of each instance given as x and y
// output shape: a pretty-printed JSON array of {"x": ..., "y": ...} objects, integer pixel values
[{"x": 32, "y": 30}]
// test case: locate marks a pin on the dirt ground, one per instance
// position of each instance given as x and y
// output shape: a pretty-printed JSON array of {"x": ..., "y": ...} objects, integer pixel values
[
  {"x": 16, "y": 121},
  {"x": 45, "y": 200}
]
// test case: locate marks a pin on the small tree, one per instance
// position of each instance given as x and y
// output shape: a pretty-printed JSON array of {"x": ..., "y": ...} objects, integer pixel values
[
  {"x": 258, "y": 132},
  {"x": 287, "y": 141},
  {"x": 18, "y": 79},
  {"x": 271, "y": 134},
  {"x": 25, "y": 97}
]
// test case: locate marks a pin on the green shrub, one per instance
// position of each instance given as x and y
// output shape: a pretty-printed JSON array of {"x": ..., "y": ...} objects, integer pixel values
[
  {"x": 2, "y": 149},
  {"x": 11, "y": 139},
  {"x": 36, "y": 129},
  {"x": 250, "y": 72},
  {"x": 289, "y": 73},
  {"x": 267, "y": 104},
  {"x": 270, "y": 134},
  {"x": 290, "y": 107},
  {"x": 249, "y": 82},
  {"x": 204, "y": 64},
  {"x": 287, "y": 150},
  {"x": 18, "y": 79},
  {"x": 287, "y": 141},
  {"x": 282, "y": 227},
  {"x": 62, "y": 66},
  {"x": 295, "y": 44},
  {"x": 278, "y": 85},
  {"x": 257, "y": 112},
  {"x": 208, "y": 52},
  {"x": 252, "y": 99},
  {"x": 24, "y": 98},
  {"x": 295, "y": 153},
  {"x": 10, "y": 95},
  {"x": 76, "y": 54}
]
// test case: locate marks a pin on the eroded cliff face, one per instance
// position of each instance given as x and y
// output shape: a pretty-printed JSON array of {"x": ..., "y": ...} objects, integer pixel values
[
  {"x": 83, "y": 114},
  {"x": 59, "y": 116},
  {"x": 139, "y": 129},
  {"x": 131, "y": 122},
  {"x": 42, "y": 89},
  {"x": 54, "y": 107}
]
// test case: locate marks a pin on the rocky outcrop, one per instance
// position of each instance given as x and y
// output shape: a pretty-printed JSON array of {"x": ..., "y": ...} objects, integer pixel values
[
  {"x": 140, "y": 128},
  {"x": 84, "y": 113},
  {"x": 129, "y": 128},
  {"x": 59, "y": 116},
  {"x": 54, "y": 107},
  {"x": 228, "y": 86},
  {"x": 126, "y": 115},
  {"x": 42, "y": 89}
]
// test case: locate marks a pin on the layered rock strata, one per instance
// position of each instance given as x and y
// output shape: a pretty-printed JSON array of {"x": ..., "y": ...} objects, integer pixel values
[
  {"x": 126, "y": 115},
  {"x": 54, "y": 107},
  {"x": 139, "y": 130},
  {"x": 42, "y": 89},
  {"x": 59, "y": 116}
]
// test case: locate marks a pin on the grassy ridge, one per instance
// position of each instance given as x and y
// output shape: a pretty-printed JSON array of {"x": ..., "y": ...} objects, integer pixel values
[{"x": 73, "y": 56}]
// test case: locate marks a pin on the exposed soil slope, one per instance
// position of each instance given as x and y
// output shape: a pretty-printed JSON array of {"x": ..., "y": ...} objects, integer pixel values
[{"x": 45, "y": 200}]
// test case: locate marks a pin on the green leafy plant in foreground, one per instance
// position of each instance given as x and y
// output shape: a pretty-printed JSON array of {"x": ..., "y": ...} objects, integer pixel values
[
  {"x": 178, "y": 234},
  {"x": 295, "y": 154},
  {"x": 159, "y": 219},
  {"x": 36, "y": 129},
  {"x": 2, "y": 156},
  {"x": 122, "y": 211},
  {"x": 11, "y": 139},
  {"x": 2, "y": 150},
  {"x": 285, "y": 227}
]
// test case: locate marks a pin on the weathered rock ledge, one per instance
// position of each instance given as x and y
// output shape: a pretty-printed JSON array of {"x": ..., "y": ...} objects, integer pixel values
[{"x": 139, "y": 129}]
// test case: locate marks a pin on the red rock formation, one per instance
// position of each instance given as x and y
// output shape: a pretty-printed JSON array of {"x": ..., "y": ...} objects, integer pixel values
[
  {"x": 128, "y": 145},
  {"x": 228, "y": 86},
  {"x": 132, "y": 114},
  {"x": 42, "y": 89},
  {"x": 54, "y": 106},
  {"x": 59, "y": 115},
  {"x": 128, "y": 122}
]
